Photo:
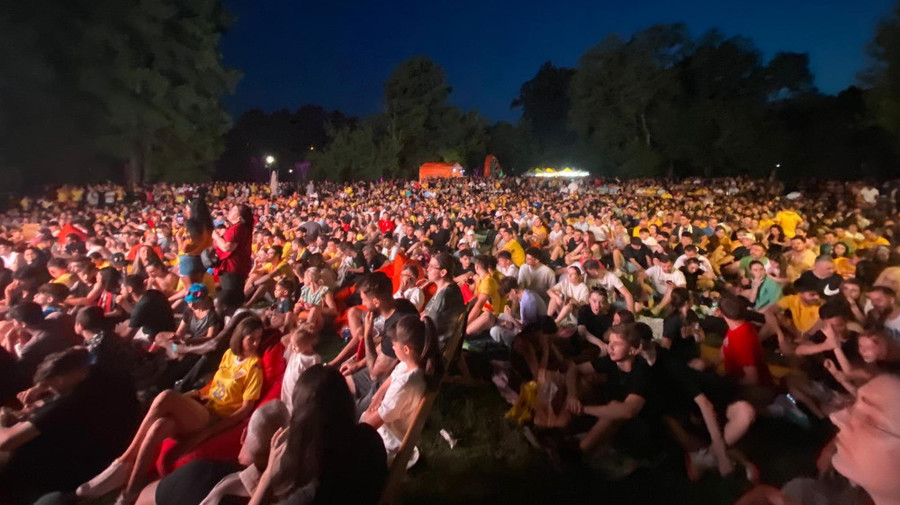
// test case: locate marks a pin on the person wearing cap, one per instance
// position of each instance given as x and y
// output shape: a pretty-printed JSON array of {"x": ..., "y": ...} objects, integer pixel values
[{"x": 199, "y": 324}]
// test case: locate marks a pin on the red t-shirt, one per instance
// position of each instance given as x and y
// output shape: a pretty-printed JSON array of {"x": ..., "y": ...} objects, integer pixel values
[
  {"x": 238, "y": 260},
  {"x": 741, "y": 348},
  {"x": 386, "y": 226}
]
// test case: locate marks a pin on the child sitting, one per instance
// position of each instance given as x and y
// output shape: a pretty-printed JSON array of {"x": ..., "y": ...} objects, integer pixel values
[{"x": 300, "y": 354}]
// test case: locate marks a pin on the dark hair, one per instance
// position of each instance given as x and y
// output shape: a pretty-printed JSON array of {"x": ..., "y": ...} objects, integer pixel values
[
  {"x": 591, "y": 264},
  {"x": 504, "y": 254},
  {"x": 534, "y": 252},
  {"x": 322, "y": 432},
  {"x": 507, "y": 284},
  {"x": 61, "y": 363},
  {"x": 445, "y": 262},
  {"x": 625, "y": 316},
  {"x": 28, "y": 313},
  {"x": 486, "y": 262},
  {"x": 886, "y": 291},
  {"x": 421, "y": 337},
  {"x": 136, "y": 283},
  {"x": 91, "y": 318},
  {"x": 680, "y": 297},
  {"x": 201, "y": 217},
  {"x": 628, "y": 333},
  {"x": 835, "y": 308},
  {"x": 57, "y": 262},
  {"x": 733, "y": 307},
  {"x": 246, "y": 327},
  {"x": 377, "y": 285},
  {"x": 55, "y": 290},
  {"x": 466, "y": 252},
  {"x": 110, "y": 279}
]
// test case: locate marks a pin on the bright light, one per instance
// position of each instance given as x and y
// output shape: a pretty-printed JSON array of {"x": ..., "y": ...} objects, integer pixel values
[
  {"x": 778, "y": 165},
  {"x": 566, "y": 172},
  {"x": 312, "y": 148},
  {"x": 270, "y": 159},
  {"x": 290, "y": 170}
]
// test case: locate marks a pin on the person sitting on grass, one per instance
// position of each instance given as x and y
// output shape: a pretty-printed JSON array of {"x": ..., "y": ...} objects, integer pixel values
[
  {"x": 420, "y": 367},
  {"x": 804, "y": 316},
  {"x": 192, "y": 417},
  {"x": 527, "y": 304},
  {"x": 568, "y": 296},
  {"x": 626, "y": 416},
  {"x": 87, "y": 418}
]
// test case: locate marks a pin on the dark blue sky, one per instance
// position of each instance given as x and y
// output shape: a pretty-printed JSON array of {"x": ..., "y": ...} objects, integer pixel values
[{"x": 339, "y": 53}]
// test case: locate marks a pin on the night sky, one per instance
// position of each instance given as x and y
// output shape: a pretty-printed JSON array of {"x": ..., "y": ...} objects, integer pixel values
[{"x": 339, "y": 53}]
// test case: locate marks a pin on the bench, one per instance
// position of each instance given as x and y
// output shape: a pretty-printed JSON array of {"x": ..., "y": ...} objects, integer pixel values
[{"x": 397, "y": 471}]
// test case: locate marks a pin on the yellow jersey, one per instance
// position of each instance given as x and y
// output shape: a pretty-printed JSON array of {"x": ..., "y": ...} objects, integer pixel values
[{"x": 235, "y": 382}]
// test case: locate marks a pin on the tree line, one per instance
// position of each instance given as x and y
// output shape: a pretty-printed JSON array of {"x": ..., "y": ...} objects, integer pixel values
[{"x": 132, "y": 90}]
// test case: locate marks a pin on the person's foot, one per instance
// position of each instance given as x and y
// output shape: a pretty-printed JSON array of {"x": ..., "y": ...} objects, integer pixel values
[{"x": 114, "y": 477}]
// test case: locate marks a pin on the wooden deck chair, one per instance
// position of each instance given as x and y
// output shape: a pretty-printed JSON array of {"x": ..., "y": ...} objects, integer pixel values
[{"x": 454, "y": 353}]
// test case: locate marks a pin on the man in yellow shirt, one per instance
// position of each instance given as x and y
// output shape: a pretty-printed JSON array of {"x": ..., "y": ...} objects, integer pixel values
[
  {"x": 512, "y": 245},
  {"x": 804, "y": 319},
  {"x": 789, "y": 220},
  {"x": 799, "y": 259}
]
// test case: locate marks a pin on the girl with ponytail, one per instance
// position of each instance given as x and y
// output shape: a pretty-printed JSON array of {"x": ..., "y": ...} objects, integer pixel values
[{"x": 421, "y": 366}]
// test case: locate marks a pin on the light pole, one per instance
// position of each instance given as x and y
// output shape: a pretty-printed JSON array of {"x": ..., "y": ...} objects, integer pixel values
[{"x": 273, "y": 180}]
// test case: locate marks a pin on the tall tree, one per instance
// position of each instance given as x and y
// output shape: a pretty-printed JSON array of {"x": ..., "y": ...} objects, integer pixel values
[
  {"x": 882, "y": 76},
  {"x": 142, "y": 78},
  {"x": 545, "y": 105}
]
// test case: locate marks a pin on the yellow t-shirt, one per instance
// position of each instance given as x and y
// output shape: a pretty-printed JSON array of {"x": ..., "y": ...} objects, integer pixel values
[
  {"x": 789, "y": 220},
  {"x": 490, "y": 285},
  {"x": 516, "y": 251},
  {"x": 66, "y": 279},
  {"x": 234, "y": 383},
  {"x": 804, "y": 316}
]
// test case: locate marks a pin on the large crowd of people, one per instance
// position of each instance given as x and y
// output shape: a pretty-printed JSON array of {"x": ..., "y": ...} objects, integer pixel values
[{"x": 160, "y": 344}]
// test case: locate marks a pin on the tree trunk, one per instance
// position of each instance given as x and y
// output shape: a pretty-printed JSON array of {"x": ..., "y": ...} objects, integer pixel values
[{"x": 645, "y": 128}]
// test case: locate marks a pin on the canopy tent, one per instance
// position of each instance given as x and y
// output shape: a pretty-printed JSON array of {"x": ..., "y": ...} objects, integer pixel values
[{"x": 551, "y": 173}]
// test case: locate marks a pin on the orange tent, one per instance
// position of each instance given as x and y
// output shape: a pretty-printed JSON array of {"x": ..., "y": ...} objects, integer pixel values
[{"x": 437, "y": 170}]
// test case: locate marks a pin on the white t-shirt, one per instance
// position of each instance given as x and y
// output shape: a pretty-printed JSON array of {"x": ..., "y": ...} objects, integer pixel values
[
  {"x": 869, "y": 194},
  {"x": 511, "y": 271},
  {"x": 399, "y": 406},
  {"x": 414, "y": 295},
  {"x": 659, "y": 279},
  {"x": 607, "y": 281},
  {"x": 539, "y": 280},
  {"x": 297, "y": 363}
]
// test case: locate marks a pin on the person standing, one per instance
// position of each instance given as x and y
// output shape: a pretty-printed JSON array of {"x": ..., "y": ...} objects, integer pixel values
[{"x": 233, "y": 247}]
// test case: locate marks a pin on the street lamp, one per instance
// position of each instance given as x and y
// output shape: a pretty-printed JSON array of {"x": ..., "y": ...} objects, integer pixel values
[{"x": 270, "y": 160}]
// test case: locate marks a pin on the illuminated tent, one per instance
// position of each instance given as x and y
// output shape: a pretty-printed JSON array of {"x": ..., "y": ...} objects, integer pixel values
[
  {"x": 436, "y": 170},
  {"x": 552, "y": 173}
]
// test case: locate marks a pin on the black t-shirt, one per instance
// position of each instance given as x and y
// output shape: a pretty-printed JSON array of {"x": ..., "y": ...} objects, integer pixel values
[
  {"x": 740, "y": 252},
  {"x": 620, "y": 384},
  {"x": 402, "y": 307},
  {"x": 690, "y": 279},
  {"x": 377, "y": 262},
  {"x": 640, "y": 255},
  {"x": 682, "y": 348},
  {"x": 80, "y": 434},
  {"x": 677, "y": 383},
  {"x": 440, "y": 238},
  {"x": 152, "y": 313},
  {"x": 459, "y": 270},
  {"x": 828, "y": 287},
  {"x": 596, "y": 324}
]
